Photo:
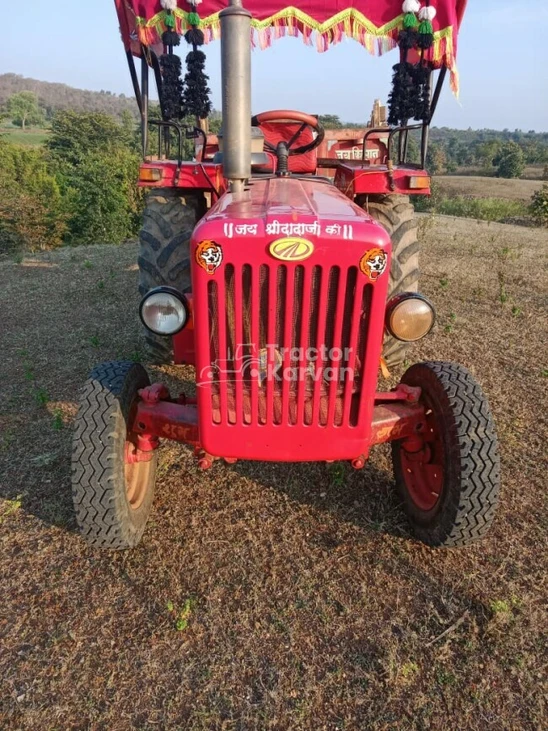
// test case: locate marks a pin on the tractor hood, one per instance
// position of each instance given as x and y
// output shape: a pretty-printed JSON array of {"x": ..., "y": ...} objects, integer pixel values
[
  {"x": 290, "y": 208},
  {"x": 375, "y": 24}
]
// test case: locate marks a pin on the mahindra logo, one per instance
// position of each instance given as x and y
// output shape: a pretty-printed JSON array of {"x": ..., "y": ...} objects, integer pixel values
[{"x": 291, "y": 249}]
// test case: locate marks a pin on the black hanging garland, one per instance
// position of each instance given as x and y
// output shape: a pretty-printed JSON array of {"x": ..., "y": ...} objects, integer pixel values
[
  {"x": 196, "y": 92},
  {"x": 410, "y": 94},
  {"x": 171, "y": 67},
  {"x": 401, "y": 101}
]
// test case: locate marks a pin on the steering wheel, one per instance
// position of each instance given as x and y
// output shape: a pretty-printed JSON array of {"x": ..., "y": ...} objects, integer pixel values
[{"x": 307, "y": 120}]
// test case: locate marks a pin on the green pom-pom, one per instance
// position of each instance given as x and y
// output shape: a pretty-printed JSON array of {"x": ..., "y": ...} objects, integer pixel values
[
  {"x": 410, "y": 21},
  {"x": 169, "y": 20},
  {"x": 426, "y": 28},
  {"x": 194, "y": 19}
]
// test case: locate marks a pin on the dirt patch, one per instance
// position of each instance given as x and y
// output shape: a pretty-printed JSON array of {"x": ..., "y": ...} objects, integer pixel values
[
  {"x": 270, "y": 596},
  {"x": 478, "y": 187}
]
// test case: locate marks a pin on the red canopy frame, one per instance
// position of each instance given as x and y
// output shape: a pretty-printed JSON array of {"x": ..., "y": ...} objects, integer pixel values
[{"x": 374, "y": 24}]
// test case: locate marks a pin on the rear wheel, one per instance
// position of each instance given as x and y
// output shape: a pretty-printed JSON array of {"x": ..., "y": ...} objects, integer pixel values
[
  {"x": 396, "y": 214},
  {"x": 112, "y": 494},
  {"x": 164, "y": 254},
  {"x": 449, "y": 478}
]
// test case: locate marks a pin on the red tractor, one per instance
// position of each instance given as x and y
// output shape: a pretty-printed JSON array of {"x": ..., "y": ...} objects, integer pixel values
[{"x": 287, "y": 291}]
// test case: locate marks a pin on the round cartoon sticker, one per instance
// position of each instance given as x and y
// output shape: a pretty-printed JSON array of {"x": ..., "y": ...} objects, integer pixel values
[
  {"x": 373, "y": 263},
  {"x": 209, "y": 256}
]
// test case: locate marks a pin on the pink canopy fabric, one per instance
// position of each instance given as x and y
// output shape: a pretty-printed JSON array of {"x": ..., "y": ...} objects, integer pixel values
[{"x": 375, "y": 24}]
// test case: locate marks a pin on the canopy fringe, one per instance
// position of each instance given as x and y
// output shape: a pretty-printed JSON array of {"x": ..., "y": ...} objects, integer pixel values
[{"x": 292, "y": 22}]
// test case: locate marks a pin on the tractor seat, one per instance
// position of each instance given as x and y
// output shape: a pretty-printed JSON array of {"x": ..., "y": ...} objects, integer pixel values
[{"x": 275, "y": 132}]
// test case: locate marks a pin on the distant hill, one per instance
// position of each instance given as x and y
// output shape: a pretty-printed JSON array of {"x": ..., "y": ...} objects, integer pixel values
[{"x": 53, "y": 97}]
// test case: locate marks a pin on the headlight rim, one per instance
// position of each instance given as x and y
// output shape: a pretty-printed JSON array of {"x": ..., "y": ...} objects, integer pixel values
[
  {"x": 165, "y": 289},
  {"x": 395, "y": 301}
]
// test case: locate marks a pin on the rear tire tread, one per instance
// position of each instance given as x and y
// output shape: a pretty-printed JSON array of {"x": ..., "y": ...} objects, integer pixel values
[
  {"x": 164, "y": 256},
  {"x": 397, "y": 215}
]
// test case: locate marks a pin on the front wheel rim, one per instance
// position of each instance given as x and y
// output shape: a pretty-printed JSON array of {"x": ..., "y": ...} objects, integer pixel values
[
  {"x": 138, "y": 477},
  {"x": 423, "y": 471}
]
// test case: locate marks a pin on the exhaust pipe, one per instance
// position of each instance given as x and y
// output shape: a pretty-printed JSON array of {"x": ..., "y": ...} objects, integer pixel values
[{"x": 236, "y": 81}]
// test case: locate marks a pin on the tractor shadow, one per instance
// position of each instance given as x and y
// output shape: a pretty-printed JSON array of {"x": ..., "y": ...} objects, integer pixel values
[{"x": 366, "y": 498}]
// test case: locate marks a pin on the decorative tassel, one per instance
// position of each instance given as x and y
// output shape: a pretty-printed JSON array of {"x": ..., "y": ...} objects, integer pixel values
[
  {"x": 402, "y": 101},
  {"x": 407, "y": 39},
  {"x": 172, "y": 87},
  {"x": 425, "y": 38},
  {"x": 171, "y": 67},
  {"x": 170, "y": 38},
  {"x": 196, "y": 92},
  {"x": 422, "y": 84},
  {"x": 195, "y": 37}
]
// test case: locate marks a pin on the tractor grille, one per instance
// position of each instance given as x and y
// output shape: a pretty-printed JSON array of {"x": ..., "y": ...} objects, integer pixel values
[{"x": 287, "y": 344}]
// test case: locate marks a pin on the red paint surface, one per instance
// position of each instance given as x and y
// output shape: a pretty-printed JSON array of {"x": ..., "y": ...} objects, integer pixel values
[
  {"x": 179, "y": 422},
  {"x": 189, "y": 175},
  {"x": 256, "y": 420},
  {"x": 356, "y": 178}
]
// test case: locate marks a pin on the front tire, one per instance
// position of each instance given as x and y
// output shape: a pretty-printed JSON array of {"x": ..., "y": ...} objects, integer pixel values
[
  {"x": 112, "y": 498},
  {"x": 397, "y": 215},
  {"x": 449, "y": 487},
  {"x": 164, "y": 252}
]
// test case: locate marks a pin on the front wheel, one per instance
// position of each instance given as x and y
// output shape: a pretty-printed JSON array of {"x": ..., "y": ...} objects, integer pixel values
[
  {"x": 449, "y": 478},
  {"x": 112, "y": 494}
]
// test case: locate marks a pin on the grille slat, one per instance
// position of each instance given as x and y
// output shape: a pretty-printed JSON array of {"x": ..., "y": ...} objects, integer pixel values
[
  {"x": 255, "y": 339},
  {"x": 271, "y": 335},
  {"x": 303, "y": 343},
  {"x": 240, "y": 342},
  {"x": 318, "y": 366},
  {"x": 354, "y": 325},
  {"x": 287, "y": 343},
  {"x": 337, "y": 343}
]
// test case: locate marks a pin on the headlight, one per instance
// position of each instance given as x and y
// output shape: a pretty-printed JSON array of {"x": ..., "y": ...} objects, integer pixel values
[
  {"x": 410, "y": 317},
  {"x": 164, "y": 311}
]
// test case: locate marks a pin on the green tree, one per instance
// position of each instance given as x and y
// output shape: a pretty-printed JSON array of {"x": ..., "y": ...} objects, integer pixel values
[
  {"x": 539, "y": 206},
  {"x": 104, "y": 200},
  {"x": 23, "y": 109},
  {"x": 510, "y": 161},
  {"x": 75, "y": 134},
  {"x": 436, "y": 158},
  {"x": 32, "y": 214},
  {"x": 330, "y": 121},
  {"x": 96, "y": 164}
]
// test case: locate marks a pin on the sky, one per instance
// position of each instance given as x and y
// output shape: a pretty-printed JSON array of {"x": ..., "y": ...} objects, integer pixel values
[{"x": 503, "y": 63}]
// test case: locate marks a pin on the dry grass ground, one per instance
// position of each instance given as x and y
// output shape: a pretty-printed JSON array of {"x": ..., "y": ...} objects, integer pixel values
[
  {"x": 478, "y": 187},
  {"x": 306, "y": 604}
]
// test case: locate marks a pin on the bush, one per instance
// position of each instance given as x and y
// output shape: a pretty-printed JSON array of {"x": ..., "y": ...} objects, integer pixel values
[
  {"x": 32, "y": 214},
  {"x": 81, "y": 188},
  {"x": 428, "y": 203},
  {"x": 104, "y": 202},
  {"x": 97, "y": 169},
  {"x": 539, "y": 206},
  {"x": 482, "y": 209},
  {"x": 510, "y": 161}
]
